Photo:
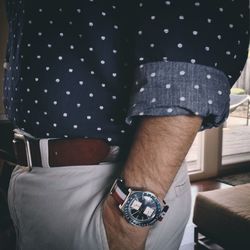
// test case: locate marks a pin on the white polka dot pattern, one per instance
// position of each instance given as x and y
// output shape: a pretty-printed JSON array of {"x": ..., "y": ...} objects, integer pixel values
[
  {"x": 209, "y": 97},
  {"x": 70, "y": 64}
]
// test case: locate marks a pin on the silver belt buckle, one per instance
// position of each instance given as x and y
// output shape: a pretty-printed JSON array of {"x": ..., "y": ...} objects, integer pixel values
[{"x": 21, "y": 137}]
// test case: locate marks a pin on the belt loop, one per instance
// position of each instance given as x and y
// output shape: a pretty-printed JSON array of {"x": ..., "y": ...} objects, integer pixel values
[
  {"x": 44, "y": 151},
  {"x": 113, "y": 154}
]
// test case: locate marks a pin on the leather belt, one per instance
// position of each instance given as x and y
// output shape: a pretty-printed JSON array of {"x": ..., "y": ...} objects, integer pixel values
[{"x": 63, "y": 152}]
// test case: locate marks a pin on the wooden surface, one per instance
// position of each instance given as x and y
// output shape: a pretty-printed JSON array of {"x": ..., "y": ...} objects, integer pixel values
[
  {"x": 206, "y": 185},
  {"x": 236, "y": 140}
]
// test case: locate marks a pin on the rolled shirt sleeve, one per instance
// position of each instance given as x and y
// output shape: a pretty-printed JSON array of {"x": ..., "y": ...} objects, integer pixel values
[
  {"x": 188, "y": 55},
  {"x": 180, "y": 88}
]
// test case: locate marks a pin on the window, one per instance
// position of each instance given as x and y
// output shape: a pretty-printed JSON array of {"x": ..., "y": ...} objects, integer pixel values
[
  {"x": 215, "y": 149},
  {"x": 193, "y": 157},
  {"x": 236, "y": 131}
]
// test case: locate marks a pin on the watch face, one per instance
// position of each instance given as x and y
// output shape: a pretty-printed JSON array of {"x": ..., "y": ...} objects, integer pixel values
[{"x": 142, "y": 208}]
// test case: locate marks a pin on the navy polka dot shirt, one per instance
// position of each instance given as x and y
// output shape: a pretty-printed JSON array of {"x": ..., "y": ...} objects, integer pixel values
[{"x": 91, "y": 68}]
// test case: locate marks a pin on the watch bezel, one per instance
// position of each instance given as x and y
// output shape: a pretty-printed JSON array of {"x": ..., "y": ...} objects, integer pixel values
[{"x": 126, "y": 207}]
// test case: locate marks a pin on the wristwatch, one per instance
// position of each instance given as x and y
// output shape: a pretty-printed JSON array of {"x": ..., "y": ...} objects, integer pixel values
[{"x": 140, "y": 208}]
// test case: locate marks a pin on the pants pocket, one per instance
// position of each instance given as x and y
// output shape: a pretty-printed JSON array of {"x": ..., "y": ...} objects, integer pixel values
[
  {"x": 11, "y": 200},
  {"x": 168, "y": 233}
]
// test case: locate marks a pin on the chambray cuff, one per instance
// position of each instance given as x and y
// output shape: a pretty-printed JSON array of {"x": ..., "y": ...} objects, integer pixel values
[{"x": 180, "y": 88}]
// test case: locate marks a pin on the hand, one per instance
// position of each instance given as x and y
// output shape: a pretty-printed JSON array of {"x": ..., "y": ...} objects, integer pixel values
[{"x": 120, "y": 234}]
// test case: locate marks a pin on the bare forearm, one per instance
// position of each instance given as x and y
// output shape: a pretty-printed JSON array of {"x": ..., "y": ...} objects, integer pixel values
[{"x": 160, "y": 147}]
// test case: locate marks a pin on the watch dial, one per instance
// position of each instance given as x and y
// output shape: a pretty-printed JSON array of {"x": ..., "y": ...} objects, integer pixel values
[{"x": 142, "y": 208}]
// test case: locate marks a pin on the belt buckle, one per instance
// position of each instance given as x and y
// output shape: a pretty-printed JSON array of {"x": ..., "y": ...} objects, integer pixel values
[{"x": 21, "y": 137}]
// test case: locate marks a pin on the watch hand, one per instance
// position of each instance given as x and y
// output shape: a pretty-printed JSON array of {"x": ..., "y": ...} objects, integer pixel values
[{"x": 136, "y": 212}]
